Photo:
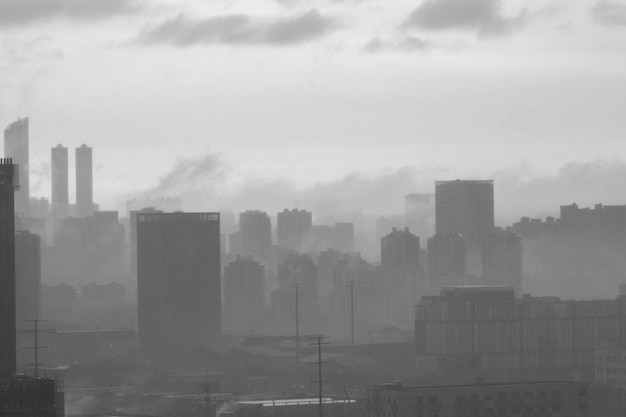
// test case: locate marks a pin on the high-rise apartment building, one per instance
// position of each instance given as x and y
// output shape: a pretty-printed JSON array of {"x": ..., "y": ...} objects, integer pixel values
[
  {"x": 296, "y": 271},
  {"x": 178, "y": 278},
  {"x": 502, "y": 260},
  {"x": 400, "y": 248},
  {"x": 447, "y": 263},
  {"x": 84, "y": 181},
  {"x": 293, "y": 228},
  {"x": 60, "y": 182},
  {"x": 16, "y": 145},
  {"x": 244, "y": 293},
  {"x": 7, "y": 268},
  {"x": 464, "y": 208},
  {"x": 255, "y": 228}
]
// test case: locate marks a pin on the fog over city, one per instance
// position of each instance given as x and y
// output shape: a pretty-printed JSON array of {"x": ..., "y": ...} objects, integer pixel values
[{"x": 306, "y": 207}]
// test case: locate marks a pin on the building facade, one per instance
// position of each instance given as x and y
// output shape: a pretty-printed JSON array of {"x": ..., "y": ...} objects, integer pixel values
[
  {"x": 178, "y": 278},
  {"x": 502, "y": 260},
  {"x": 549, "y": 399},
  {"x": 244, "y": 293},
  {"x": 7, "y": 269},
  {"x": 27, "y": 278},
  {"x": 447, "y": 263},
  {"x": 293, "y": 228},
  {"x": 255, "y": 232},
  {"x": 484, "y": 331}
]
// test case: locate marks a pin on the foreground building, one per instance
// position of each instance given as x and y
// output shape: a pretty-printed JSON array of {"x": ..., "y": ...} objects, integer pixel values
[
  {"x": 25, "y": 397},
  {"x": 482, "y": 331},
  {"x": 178, "y": 278},
  {"x": 549, "y": 399}
]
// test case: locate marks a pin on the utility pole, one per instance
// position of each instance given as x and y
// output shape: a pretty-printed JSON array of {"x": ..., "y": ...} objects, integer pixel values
[
  {"x": 320, "y": 381},
  {"x": 297, "y": 328},
  {"x": 352, "y": 320},
  {"x": 36, "y": 346}
]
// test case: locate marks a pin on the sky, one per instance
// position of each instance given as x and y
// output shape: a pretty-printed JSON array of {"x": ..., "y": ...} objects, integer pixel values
[{"x": 341, "y": 105}]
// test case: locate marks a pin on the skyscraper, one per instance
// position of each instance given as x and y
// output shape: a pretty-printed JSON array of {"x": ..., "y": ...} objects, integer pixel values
[
  {"x": 178, "y": 278},
  {"x": 400, "y": 248},
  {"x": 293, "y": 228},
  {"x": 255, "y": 229},
  {"x": 60, "y": 194},
  {"x": 84, "y": 181},
  {"x": 464, "y": 208},
  {"x": 16, "y": 148},
  {"x": 7, "y": 268},
  {"x": 502, "y": 260}
]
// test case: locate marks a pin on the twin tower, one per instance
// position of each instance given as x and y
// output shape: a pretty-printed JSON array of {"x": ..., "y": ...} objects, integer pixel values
[{"x": 60, "y": 182}]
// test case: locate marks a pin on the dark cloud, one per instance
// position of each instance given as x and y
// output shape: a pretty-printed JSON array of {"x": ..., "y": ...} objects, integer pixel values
[
  {"x": 407, "y": 44},
  {"x": 240, "y": 29},
  {"x": 18, "y": 12},
  {"x": 609, "y": 13},
  {"x": 483, "y": 16}
]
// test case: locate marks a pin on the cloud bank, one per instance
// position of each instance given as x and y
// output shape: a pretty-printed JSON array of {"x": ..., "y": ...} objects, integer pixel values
[
  {"x": 20, "y": 12},
  {"x": 609, "y": 13},
  {"x": 482, "y": 16},
  {"x": 240, "y": 29}
]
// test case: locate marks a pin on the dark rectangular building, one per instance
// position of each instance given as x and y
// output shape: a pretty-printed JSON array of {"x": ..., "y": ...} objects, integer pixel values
[
  {"x": 178, "y": 278},
  {"x": 7, "y": 268}
]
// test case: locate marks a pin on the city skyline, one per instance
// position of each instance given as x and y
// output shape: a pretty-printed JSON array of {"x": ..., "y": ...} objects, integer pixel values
[{"x": 533, "y": 86}]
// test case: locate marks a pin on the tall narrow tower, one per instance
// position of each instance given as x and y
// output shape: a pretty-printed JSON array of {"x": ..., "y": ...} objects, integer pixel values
[
  {"x": 7, "y": 268},
  {"x": 60, "y": 194},
  {"x": 84, "y": 182},
  {"x": 16, "y": 148}
]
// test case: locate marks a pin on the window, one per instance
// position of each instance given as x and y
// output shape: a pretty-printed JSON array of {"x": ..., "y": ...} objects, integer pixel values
[
  {"x": 582, "y": 392},
  {"x": 555, "y": 394},
  {"x": 460, "y": 398},
  {"x": 488, "y": 397},
  {"x": 529, "y": 395}
]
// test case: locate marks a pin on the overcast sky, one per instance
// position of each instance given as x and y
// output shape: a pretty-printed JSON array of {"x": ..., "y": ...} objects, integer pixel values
[{"x": 287, "y": 97}]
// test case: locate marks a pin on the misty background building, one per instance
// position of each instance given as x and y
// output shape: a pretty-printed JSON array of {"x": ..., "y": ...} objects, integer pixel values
[
  {"x": 178, "y": 278},
  {"x": 447, "y": 264},
  {"x": 60, "y": 182},
  {"x": 293, "y": 228},
  {"x": 244, "y": 294},
  {"x": 255, "y": 235},
  {"x": 84, "y": 181}
]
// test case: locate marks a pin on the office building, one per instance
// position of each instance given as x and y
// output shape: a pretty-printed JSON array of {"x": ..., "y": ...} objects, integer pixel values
[
  {"x": 178, "y": 278},
  {"x": 255, "y": 232},
  {"x": 484, "y": 331},
  {"x": 16, "y": 147},
  {"x": 244, "y": 293},
  {"x": 446, "y": 260},
  {"x": 464, "y": 208},
  {"x": 27, "y": 278},
  {"x": 293, "y": 228},
  {"x": 84, "y": 181},
  {"x": 502, "y": 260},
  {"x": 549, "y": 399},
  {"x": 7, "y": 268},
  {"x": 60, "y": 182}
]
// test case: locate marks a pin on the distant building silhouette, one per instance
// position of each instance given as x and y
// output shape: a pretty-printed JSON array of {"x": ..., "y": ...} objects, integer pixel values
[
  {"x": 60, "y": 182},
  {"x": 293, "y": 228},
  {"x": 255, "y": 232},
  {"x": 16, "y": 147},
  {"x": 400, "y": 248},
  {"x": 59, "y": 302},
  {"x": 7, "y": 268},
  {"x": 84, "y": 181},
  {"x": 27, "y": 278},
  {"x": 419, "y": 213},
  {"x": 296, "y": 269},
  {"x": 447, "y": 264},
  {"x": 502, "y": 260},
  {"x": 339, "y": 237},
  {"x": 244, "y": 293},
  {"x": 178, "y": 278}
]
